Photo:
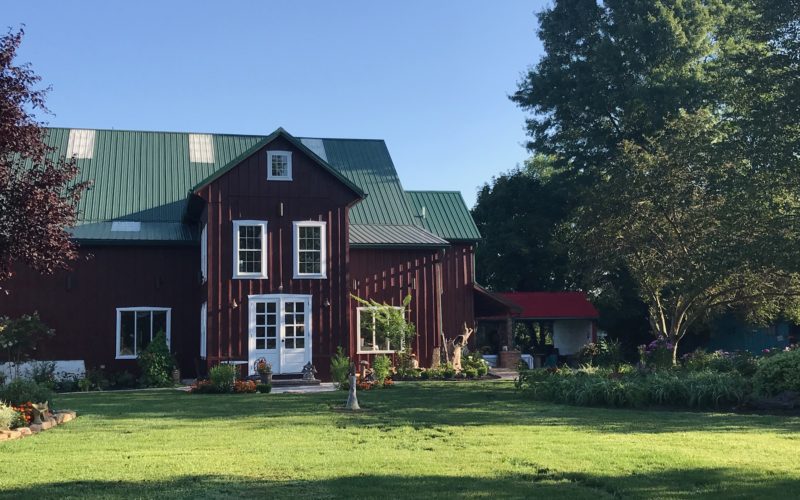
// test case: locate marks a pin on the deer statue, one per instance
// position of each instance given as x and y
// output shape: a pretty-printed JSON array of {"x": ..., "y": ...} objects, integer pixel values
[{"x": 458, "y": 344}]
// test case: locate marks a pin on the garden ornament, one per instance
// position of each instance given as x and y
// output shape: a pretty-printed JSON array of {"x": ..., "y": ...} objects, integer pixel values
[
  {"x": 309, "y": 372},
  {"x": 459, "y": 343},
  {"x": 39, "y": 409}
]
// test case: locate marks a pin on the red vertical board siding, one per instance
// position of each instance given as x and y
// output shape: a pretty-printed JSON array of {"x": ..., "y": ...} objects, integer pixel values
[
  {"x": 457, "y": 294},
  {"x": 84, "y": 315},
  {"x": 387, "y": 276},
  {"x": 244, "y": 193}
]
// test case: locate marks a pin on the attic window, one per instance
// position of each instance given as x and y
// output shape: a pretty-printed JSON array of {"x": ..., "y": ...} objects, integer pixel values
[
  {"x": 201, "y": 148},
  {"x": 126, "y": 226},
  {"x": 80, "y": 144},
  {"x": 279, "y": 165}
]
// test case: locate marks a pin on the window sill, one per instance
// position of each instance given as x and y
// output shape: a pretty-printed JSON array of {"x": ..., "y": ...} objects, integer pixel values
[
  {"x": 377, "y": 352},
  {"x": 249, "y": 277},
  {"x": 310, "y": 276},
  {"x": 127, "y": 356},
  {"x": 285, "y": 179}
]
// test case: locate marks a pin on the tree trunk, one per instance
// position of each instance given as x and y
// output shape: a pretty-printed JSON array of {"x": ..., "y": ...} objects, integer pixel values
[
  {"x": 352, "y": 399},
  {"x": 675, "y": 351}
]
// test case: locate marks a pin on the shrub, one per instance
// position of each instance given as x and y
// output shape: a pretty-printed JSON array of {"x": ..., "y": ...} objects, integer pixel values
[
  {"x": 24, "y": 415},
  {"x": 93, "y": 380},
  {"x": 21, "y": 391},
  {"x": 244, "y": 386},
  {"x": 264, "y": 388},
  {"x": 657, "y": 354},
  {"x": 222, "y": 377},
  {"x": 601, "y": 387},
  {"x": 340, "y": 368},
  {"x": 44, "y": 373},
  {"x": 447, "y": 371},
  {"x": 382, "y": 367},
  {"x": 778, "y": 373},
  {"x": 425, "y": 374},
  {"x": 8, "y": 417},
  {"x": 123, "y": 380},
  {"x": 475, "y": 361},
  {"x": 203, "y": 387},
  {"x": 21, "y": 336},
  {"x": 471, "y": 372},
  {"x": 66, "y": 383},
  {"x": 156, "y": 363}
]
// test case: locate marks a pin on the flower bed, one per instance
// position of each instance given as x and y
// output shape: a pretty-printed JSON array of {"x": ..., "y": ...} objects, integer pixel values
[
  {"x": 703, "y": 380},
  {"x": 22, "y": 417}
]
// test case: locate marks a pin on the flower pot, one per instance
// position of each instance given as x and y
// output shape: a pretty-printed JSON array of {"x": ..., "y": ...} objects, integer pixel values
[{"x": 266, "y": 378}]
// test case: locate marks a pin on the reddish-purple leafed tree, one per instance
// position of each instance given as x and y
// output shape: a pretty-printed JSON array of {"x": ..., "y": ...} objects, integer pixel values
[{"x": 38, "y": 190}]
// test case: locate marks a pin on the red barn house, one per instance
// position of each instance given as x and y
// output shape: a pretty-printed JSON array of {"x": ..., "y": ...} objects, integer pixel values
[{"x": 241, "y": 247}]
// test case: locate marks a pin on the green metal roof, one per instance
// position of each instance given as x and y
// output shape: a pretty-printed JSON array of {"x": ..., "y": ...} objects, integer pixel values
[
  {"x": 386, "y": 235},
  {"x": 146, "y": 177},
  {"x": 445, "y": 214}
]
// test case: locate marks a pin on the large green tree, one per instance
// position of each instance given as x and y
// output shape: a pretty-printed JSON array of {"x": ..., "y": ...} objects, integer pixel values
[
  {"x": 520, "y": 216},
  {"x": 669, "y": 119}
]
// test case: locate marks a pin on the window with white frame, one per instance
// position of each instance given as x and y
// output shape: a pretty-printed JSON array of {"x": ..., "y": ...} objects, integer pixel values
[
  {"x": 279, "y": 165},
  {"x": 371, "y": 334},
  {"x": 137, "y": 326},
  {"x": 310, "y": 258},
  {"x": 249, "y": 249}
]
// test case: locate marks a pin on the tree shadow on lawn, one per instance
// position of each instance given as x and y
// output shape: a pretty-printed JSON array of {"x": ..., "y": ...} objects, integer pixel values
[
  {"x": 533, "y": 481},
  {"x": 418, "y": 405}
]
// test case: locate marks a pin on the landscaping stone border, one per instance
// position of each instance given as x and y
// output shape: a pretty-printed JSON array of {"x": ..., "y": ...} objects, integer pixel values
[{"x": 57, "y": 418}]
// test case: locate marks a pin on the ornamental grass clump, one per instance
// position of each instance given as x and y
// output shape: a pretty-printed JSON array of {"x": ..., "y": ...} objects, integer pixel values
[
  {"x": 222, "y": 377},
  {"x": 382, "y": 368},
  {"x": 8, "y": 416},
  {"x": 340, "y": 368}
]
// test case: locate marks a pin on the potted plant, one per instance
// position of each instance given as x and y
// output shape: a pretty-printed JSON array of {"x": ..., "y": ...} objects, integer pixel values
[{"x": 264, "y": 370}]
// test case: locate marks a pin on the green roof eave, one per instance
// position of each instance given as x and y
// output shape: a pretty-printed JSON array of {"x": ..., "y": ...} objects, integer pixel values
[
  {"x": 280, "y": 132},
  {"x": 133, "y": 242},
  {"x": 398, "y": 246}
]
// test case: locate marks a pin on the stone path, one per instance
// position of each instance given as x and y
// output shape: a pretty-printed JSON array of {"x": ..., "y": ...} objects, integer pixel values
[{"x": 505, "y": 373}]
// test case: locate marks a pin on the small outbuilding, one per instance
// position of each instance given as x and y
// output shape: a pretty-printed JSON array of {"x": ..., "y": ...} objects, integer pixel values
[{"x": 567, "y": 319}]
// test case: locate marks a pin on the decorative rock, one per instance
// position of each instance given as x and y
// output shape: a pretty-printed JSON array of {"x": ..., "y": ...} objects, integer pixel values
[
  {"x": 3, "y": 436},
  {"x": 66, "y": 415},
  {"x": 25, "y": 431},
  {"x": 36, "y": 428},
  {"x": 53, "y": 422},
  {"x": 11, "y": 434},
  {"x": 46, "y": 424}
]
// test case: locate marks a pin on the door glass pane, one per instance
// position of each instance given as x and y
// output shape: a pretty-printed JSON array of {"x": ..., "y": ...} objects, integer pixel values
[
  {"x": 142, "y": 330},
  {"x": 127, "y": 337},
  {"x": 260, "y": 307}
]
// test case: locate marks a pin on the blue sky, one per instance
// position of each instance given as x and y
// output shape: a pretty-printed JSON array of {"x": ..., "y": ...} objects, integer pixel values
[{"x": 430, "y": 78}]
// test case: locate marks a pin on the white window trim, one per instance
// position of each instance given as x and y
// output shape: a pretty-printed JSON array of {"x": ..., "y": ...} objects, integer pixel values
[
  {"x": 236, "y": 273},
  {"x": 288, "y": 176},
  {"x": 204, "y": 330},
  {"x": 120, "y": 310},
  {"x": 359, "y": 350},
  {"x": 204, "y": 253},
  {"x": 323, "y": 258}
]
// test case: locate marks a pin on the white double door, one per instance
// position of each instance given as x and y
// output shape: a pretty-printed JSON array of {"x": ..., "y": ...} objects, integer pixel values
[{"x": 280, "y": 331}]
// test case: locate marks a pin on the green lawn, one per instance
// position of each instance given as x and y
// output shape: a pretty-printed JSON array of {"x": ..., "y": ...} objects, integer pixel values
[{"x": 415, "y": 440}]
